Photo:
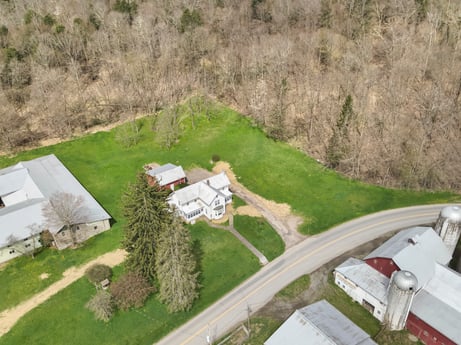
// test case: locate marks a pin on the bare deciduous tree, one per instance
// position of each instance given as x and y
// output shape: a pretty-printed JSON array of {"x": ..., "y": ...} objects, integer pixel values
[{"x": 65, "y": 210}]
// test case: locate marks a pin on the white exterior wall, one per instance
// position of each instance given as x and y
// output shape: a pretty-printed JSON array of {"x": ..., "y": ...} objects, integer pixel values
[
  {"x": 64, "y": 239},
  {"x": 219, "y": 201},
  {"x": 19, "y": 248},
  {"x": 358, "y": 295}
]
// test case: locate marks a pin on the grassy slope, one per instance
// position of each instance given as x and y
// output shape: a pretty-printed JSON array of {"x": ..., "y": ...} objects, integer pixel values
[
  {"x": 259, "y": 233},
  {"x": 104, "y": 168},
  {"x": 221, "y": 262}
]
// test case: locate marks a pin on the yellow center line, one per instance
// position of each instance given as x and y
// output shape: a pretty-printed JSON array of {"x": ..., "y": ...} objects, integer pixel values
[{"x": 315, "y": 251}]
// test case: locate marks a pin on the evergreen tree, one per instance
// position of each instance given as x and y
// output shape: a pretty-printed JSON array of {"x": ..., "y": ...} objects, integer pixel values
[
  {"x": 147, "y": 216},
  {"x": 339, "y": 145},
  {"x": 176, "y": 268}
]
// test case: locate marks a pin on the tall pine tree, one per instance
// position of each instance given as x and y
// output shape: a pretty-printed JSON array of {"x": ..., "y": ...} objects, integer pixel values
[
  {"x": 147, "y": 216},
  {"x": 339, "y": 144},
  {"x": 176, "y": 268}
]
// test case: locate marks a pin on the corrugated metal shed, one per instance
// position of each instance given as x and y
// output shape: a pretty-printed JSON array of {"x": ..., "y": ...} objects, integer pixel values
[
  {"x": 319, "y": 324},
  {"x": 47, "y": 175},
  {"x": 416, "y": 250},
  {"x": 439, "y": 303},
  {"x": 366, "y": 277}
]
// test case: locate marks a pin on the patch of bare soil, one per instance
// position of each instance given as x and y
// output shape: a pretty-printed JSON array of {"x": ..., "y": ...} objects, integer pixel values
[
  {"x": 10, "y": 316},
  {"x": 248, "y": 210},
  {"x": 195, "y": 175},
  {"x": 44, "y": 276}
]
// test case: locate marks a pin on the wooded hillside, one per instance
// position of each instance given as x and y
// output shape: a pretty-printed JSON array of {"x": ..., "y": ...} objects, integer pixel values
[{"x": 369, "y": 87}]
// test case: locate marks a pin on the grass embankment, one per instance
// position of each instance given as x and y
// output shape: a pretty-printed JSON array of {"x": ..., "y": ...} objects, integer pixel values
[
  {"x": 259, "y": 233},
  {"x": 272, "y": 169},
  {"x": 64, "y": 319}
]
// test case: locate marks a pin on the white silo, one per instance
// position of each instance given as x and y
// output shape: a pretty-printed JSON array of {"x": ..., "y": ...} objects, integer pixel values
[
  {"x": 401, "y": 291},
  {"x": 448, "y": 226}
]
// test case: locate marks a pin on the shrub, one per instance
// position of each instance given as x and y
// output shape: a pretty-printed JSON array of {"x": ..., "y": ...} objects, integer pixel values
[
  {"x": 97, "y": 273},
  {"x": 131, "y": 290},
  {"x": 215, "y": 158},
  {"x": 190, "y": 20},
  {"x": 101, "y": 304},
  {"x": 46, "y": 238}
]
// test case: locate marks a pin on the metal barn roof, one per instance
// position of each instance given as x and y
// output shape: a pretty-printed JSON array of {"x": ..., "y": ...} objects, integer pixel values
[
  {"x": 40, "y": 178},
  {"x": 167, "y": 174},
  {"x": 416, "y": 250},
  {"x": 439, "y": 303},
  {"x": 366, "y": 277},
  {"x": 319, "y": 324}
]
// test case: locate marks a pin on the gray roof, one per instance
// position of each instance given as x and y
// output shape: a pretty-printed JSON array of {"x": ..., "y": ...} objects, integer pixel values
[
  {"x": 416, "y": 250},
  {"x": 319, "y": 324},
  {"x": 439, "y": 303},
  {"x": 206, "y": 190},
  {"x": 167, "y": 174},
  {"x": 33, "y": 182},
  {"x": 366, "y": 277}
]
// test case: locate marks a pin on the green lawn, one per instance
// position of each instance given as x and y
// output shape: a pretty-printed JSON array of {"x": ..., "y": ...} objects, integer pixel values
[
  {"x": 260, "y": 234},
  {"x": 237, "y": 202},
  {"x": 20, "y": 279},
  {"x": 63, "y": 319},
  {"x": 272, "y": 169}
]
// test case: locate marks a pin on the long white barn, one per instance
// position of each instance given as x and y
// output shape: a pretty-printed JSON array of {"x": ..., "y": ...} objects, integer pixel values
[{"x": 25, "y": 188}]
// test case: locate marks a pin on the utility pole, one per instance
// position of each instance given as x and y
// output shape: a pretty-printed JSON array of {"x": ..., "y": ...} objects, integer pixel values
[
  {"x": 208, "y": 337},
  {"x": 248, "y": 320}
]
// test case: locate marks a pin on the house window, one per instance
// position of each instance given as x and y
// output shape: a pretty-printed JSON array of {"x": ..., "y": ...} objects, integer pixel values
[
  {"x": 27, "y": 245},
  {"x": 78, "y": 228},
  {"x": 63, "y": 233},
  {"x": 12, "y": 251},
  {"x": 425, "y": 333},
  {"x": 216, "y": 202},
  {"x": 95, "y": 227},
  {"x": 2, "y": 204},
  {"x": 25, "y": 239}
]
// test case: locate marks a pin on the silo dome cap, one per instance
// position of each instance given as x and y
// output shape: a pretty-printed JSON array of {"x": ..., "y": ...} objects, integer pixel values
[
  {"x": 453, "y": 213},
  {"x": 405, "y": 280}
]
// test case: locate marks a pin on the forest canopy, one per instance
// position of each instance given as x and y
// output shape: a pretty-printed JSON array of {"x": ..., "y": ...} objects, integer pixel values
[{"x": 292, "y": 65}]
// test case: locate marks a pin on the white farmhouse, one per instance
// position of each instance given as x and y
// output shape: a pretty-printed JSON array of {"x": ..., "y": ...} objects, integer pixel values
[
  {"x": 207, "y": 197},
  {"x": 25, "y": 188}
]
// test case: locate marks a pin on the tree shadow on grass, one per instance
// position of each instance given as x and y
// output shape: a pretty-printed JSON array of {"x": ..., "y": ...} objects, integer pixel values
[{"x": 197, "y": 251}]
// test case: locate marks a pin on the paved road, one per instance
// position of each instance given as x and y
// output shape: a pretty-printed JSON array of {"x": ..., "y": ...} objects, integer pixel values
[{"x": 301, "y": 259}]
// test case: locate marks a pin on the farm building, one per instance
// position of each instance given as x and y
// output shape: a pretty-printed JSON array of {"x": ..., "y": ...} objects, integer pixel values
[
  {"x": 25, "y": 190},
  {"x": 319, "y": 324},
  {"x": 207, "y": 197},
  {"x": 405, "y": 283},
  {"x": 166, "y": 176}
]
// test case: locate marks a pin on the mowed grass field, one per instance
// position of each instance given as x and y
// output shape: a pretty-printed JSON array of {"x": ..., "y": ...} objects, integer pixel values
[
  {"x": 272, "y": 169},
  {"x": 63, "y": 319}
]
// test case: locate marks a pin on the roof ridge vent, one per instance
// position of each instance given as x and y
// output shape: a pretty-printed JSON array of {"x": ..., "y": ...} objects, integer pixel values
[{"x": 413, "y": 240}]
